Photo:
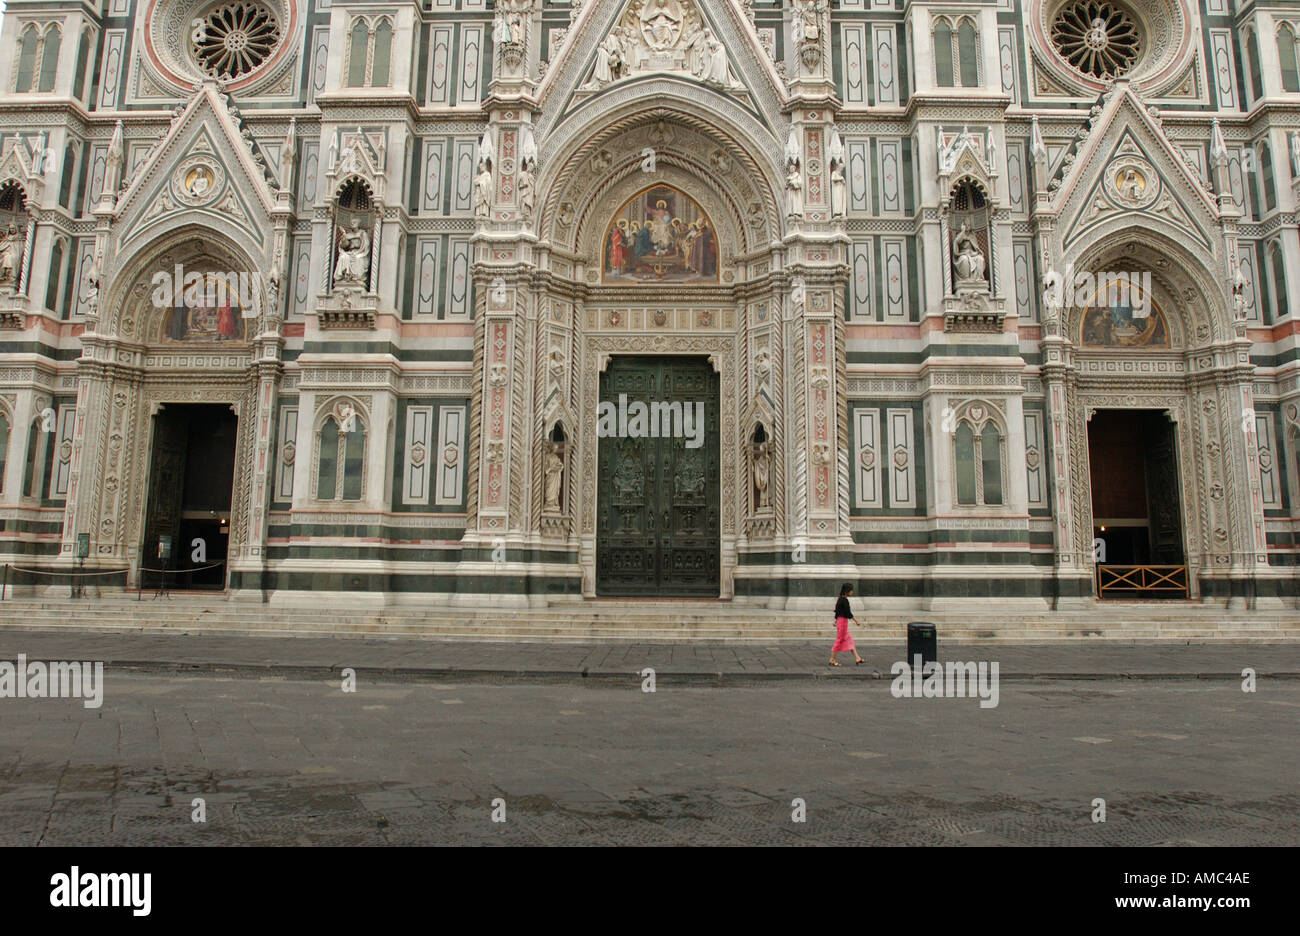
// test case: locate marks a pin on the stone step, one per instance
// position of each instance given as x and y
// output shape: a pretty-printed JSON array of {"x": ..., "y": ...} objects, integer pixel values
[
  {"x": 459, "y": 631},
  {"x": 667, "y": 611},
  {"x": 784, "y": 628},
  {"x": 644, "y": 621}
]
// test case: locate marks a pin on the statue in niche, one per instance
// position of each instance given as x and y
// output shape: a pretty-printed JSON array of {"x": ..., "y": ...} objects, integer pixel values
[
  {"x": 354, "y": 256},
  {"x": 527, "y": 192},
  {"x": 794, "y": 192},
  {"x": 273, "y": 296},
  {"x": 762, "y": 470},
  {"x": 839, "y": 190},
  {"x": 90, "y": 294},
  {"x": 968, "y": 259},
  {"x": 10, "y": 256},
  {"x": 484, "y": 189},
  {"x": 1239, "y": 300},
  {"x": 554, "y": 475}
]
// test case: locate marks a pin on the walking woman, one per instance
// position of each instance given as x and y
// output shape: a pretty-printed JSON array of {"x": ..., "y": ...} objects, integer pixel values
[{"x": 843, "y": 639}]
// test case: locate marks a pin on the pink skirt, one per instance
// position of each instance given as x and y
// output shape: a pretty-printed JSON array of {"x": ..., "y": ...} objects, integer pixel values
[{"x": 843, "y": 640}]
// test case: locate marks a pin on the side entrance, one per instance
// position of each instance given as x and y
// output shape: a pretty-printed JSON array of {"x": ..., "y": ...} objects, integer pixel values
[{"x": 191, "y": 479}]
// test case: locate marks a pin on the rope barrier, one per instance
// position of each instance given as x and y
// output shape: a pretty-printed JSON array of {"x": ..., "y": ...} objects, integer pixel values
[
  {"x": 192, "y": 569},
  {"x": 113, "y": 571},
  {"x": 68, "y": 572}
]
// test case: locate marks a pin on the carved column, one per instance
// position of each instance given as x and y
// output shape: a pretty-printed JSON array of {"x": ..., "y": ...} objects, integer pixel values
[{"x": 1067, "y": 440}]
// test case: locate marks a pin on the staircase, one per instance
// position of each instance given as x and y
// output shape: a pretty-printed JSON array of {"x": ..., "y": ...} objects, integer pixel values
[{"x": 641, "y": 621}]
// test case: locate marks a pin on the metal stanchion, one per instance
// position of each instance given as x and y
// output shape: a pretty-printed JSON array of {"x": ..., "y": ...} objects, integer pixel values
[{"x": 164, "y": 553}]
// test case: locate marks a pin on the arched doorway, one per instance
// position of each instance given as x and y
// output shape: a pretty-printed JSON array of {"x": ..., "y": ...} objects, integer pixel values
[
  {"x": 170, "y": 383},
  {"x": 665, "y": 279},
  {"x": 1153, "y": 381}
]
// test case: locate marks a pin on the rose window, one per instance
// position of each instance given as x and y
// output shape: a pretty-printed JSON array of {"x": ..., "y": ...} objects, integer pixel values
[
  {"x": 1098, "y": 38},
  {"x": 234, "y": 39}
]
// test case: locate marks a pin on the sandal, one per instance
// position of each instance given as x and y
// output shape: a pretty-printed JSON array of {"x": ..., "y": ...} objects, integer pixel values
[
  {"x": 834, "y": 663},
  {"x": 859, "y": 662}
]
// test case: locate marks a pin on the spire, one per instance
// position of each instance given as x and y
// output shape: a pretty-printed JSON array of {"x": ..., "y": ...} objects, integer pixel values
[
  {"x": 1218, "y": 145},
  {"x": 1036, "y": 146}
]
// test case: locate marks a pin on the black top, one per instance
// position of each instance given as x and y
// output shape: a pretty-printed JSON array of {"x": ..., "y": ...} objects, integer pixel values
[{"x": 842, "y": 609}]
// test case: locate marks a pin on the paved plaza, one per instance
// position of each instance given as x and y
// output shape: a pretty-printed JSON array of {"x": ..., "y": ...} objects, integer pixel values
[{"x": 437, "y": 737}]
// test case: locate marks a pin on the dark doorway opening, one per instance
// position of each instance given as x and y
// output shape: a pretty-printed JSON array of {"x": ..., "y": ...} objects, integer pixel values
[
  {"x": 191, "y": 480},
  {"x": 1136, "y": 505}
]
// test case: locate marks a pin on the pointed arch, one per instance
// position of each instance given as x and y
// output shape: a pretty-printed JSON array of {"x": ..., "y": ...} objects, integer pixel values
[
  {"x": 379, "y": 70},
  {"x": 83, "y": 58},
  {"x": 1266, "y": 173},
  {"x": 358, "y": 49},
  {"x": 1252, "y": 66},
  {"x": 578, "y": 163},
  {"x": 942, "y": 36},
  {"x": 1287, "y": 58},
  {"x": 50, "y": 58},
  {"x": 1277, "y": 268},
  {"x": 129, "y": 307},
  {"x": 27, "y": 47},
  {"x": 968, "y": 53}
]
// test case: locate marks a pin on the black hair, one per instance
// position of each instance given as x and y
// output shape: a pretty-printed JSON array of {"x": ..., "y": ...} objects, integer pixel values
[{"x": 845, "y": 589}]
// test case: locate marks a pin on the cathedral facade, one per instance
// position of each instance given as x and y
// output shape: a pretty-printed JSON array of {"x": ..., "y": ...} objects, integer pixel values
[{"x": 525, "y": 302}]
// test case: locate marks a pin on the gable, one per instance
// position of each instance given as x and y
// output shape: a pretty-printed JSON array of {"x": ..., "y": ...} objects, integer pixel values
[
  {"x": 203, "y": 166},
  {"x": 1129, "y": 183},
  {"x": 1126, "y": 166},
  {"x": 704, "y": 42},
  {"x": 200, "y": 182}
]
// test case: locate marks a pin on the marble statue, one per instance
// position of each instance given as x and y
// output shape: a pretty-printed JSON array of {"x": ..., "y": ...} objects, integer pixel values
[
  {"x": 10, "y": 253},
  {"x": 484, "y": 189},
  {"x": 554, "y": 474},
  {"x": 968, "y": 259},
  {"x": 527, "y": 193},
  {"x": 762, "y": 470},
  {"x": 354, "y": 256},
  {"x": 839, "y": 191},
  {"x": 794, "y": 192}
]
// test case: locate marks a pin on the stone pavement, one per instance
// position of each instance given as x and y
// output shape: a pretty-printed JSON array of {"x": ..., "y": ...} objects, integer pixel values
[
  {"x": 296, "y": 761},
  {"x": 399, "y": 658}
]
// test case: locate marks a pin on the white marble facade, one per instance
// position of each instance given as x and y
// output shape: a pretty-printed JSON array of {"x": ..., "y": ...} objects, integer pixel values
[{"x": 424, "y": 197}]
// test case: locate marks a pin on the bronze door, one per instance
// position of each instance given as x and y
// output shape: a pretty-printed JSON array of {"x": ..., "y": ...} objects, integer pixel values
[{"x": 658, "y": 505}]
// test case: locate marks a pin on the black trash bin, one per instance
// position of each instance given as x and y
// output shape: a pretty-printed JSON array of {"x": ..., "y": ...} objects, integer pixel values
[{"x": 922, "y": 642}]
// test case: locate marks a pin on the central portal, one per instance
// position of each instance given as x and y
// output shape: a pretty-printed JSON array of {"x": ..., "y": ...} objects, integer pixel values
[{"x": 658, "y": 509}]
